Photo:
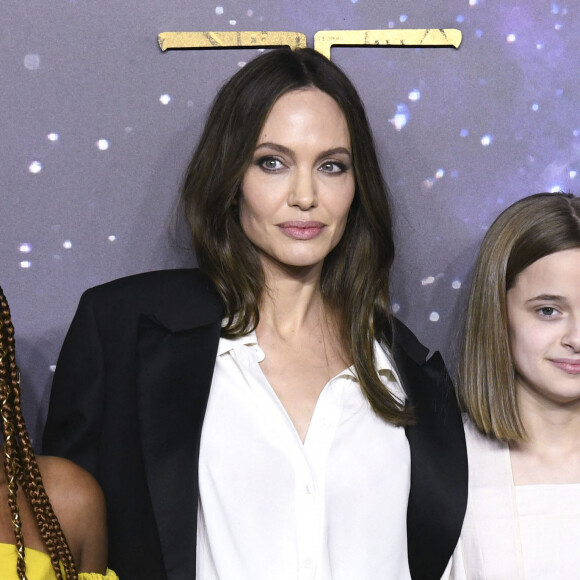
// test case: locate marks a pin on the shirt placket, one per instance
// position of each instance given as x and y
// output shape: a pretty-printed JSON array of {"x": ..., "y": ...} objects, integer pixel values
[
  {"x": 313, "y": 501},
  {"x": 308, "y": 460}
]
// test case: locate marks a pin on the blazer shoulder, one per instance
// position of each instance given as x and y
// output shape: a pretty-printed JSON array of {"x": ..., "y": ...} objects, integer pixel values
[
  {"x": 420, "y": 376},
  {"x": 404, "y": 339},
  {"x": 150, "y": 283},
  {"x": 177, "y": 298}
]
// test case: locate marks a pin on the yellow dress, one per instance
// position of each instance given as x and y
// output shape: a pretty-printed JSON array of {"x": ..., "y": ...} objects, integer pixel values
[{"x": 38, "y": 566}]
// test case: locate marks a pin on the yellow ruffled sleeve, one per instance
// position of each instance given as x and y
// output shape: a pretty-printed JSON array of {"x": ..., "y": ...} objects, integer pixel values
[{"x": 110, "y": 575}]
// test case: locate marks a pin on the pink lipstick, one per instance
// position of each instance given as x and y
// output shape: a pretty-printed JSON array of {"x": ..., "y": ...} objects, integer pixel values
[
  {"x": 301, "y": 230},
  {"x": 568, "y": 365}
]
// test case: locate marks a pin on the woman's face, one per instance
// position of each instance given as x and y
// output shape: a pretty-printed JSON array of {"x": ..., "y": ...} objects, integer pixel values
[
  {"x": 544, "y": 327},
  {"x": 298, "y": 189}
]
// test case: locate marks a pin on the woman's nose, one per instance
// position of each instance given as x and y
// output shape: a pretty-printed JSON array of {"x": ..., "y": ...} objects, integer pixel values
[{"x": 303, "y": 191}]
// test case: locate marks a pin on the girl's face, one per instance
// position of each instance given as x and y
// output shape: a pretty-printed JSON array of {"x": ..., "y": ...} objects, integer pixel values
[
  {"x": 298, "y": 189},
  {"x": 544, "y": 329}
]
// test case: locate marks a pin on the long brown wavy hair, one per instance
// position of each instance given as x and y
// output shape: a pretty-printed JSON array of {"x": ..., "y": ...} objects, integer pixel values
[
  {"x": 20, "y": 463},
  {"x": 355, "y": 275},
  {"x": 530, "y": 229}
]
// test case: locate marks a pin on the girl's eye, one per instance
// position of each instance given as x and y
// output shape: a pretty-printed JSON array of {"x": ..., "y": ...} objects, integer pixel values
[
  {"x": 547, "y": 311},
  {"x": 270, "y": 163},
  {"x": 333, "y": 167}
]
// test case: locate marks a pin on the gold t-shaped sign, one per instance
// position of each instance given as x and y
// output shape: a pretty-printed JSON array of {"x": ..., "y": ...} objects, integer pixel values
[
  {"x": 230, "y": 39},
  {"x": 323, "y": 40}
]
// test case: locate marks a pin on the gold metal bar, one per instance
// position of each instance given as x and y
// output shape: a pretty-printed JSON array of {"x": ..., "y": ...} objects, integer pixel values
[
  {"x": 242, "y": 39},
  {"x": 325, "y": 39}
]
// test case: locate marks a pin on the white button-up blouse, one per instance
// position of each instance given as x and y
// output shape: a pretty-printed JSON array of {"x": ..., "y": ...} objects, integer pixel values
[{"x": 272, "y": 507}]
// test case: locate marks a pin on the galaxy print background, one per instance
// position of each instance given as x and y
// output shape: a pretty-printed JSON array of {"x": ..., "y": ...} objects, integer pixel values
[{"x": 98, "y": 126}]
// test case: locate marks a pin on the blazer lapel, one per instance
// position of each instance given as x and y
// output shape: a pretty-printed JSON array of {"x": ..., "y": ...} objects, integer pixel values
[
  {"x": 175, "y": 370},
  {"x": 438, "y": 495}
]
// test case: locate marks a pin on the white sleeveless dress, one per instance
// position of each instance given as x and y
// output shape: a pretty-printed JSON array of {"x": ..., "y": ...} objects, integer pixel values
[{"x": 525, "y": 532}]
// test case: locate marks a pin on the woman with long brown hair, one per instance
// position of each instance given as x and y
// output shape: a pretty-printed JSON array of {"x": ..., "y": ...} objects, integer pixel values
[
  {"x": 35, "y": 544},
  {"x": 265, "y": 416},
  {"x": 519, "y": 383}
]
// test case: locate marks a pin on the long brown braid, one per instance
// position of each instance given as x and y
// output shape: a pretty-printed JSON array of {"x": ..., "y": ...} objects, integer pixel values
[{"x": 20, "y": 462}]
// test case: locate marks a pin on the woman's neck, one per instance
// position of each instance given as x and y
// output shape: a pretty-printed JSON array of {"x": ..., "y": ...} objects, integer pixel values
[
  {"x": 292, "y": 301},
  {"x": 298, "y": 335}
]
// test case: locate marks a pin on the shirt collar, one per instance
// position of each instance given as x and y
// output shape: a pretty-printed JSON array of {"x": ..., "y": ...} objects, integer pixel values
[
  {"x": 386, "y": 368},
  {"x": 228, "y": 344},
  {"x": 383, "y": 362}
]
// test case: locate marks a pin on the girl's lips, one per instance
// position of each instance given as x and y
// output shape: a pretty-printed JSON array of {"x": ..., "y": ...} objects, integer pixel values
[
  {"x": 570, "y": 366},
  {"x": 299, "y": 230}
]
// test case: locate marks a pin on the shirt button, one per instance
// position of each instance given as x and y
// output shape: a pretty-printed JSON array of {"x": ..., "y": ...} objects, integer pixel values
[
  {"x": 308, "y": 489},
  {"x": 308, "y": 563}
]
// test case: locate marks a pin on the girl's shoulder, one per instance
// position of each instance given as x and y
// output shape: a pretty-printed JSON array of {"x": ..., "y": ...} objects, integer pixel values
[
  {"x": 488, "y": 458},
  {"x": 72, "y": 490},
  {"x": 79, "y": 504}
]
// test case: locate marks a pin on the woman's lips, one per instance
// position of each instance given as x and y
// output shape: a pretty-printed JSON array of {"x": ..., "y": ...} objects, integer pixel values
[
  {"x": 570, "y": 366},
  {"x": 299, "y": 230}
]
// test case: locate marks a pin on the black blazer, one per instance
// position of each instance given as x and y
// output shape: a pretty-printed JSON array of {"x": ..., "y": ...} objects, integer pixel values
[{"x": 128, "y": 402}]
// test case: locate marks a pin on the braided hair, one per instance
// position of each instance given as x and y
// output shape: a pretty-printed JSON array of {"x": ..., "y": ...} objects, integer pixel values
[{"x": 20, "y": 463}]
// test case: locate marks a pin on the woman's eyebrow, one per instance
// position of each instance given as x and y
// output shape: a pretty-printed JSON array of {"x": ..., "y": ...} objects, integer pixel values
[
  {"x": 335, "y": 151},
  {"x": 275, "y": 146},
  {"x": 287, "y": 151}
]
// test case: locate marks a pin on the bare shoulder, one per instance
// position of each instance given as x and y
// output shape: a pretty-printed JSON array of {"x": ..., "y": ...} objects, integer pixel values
[
  {"x": 79, "y": 504},
  {"x": 70, "y": 487}
]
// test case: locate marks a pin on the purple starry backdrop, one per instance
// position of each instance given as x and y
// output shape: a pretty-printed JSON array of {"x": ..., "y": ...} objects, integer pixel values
[{"x": 98, "y": 125}]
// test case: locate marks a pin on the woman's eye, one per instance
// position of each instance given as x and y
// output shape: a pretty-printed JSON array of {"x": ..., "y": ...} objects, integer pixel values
[
  {"x": 270, "y": 163},
  {"x": 333, "y": 167}
]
